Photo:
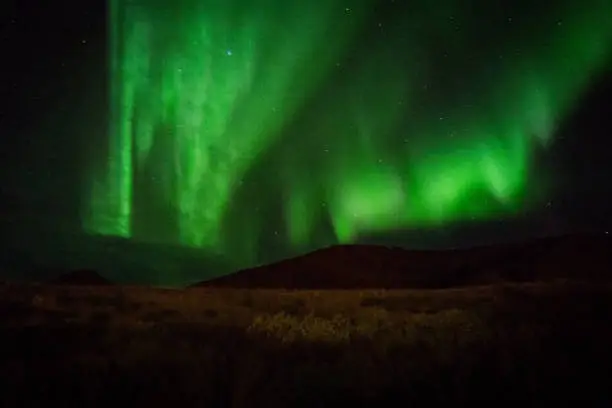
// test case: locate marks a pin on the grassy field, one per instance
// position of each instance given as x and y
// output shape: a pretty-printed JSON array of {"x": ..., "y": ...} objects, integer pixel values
[{"x": 503, "y": 344}]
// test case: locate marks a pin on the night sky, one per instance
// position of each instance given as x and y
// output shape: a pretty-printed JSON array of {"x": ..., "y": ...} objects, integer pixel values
[{"x": 261, "y": 129}]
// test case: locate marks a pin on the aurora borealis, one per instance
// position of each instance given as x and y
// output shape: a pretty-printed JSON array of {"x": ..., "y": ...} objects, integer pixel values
[{"x": 236, "y": 122}]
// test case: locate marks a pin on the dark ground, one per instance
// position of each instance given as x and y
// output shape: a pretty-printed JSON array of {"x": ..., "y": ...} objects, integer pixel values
[
  {"x": 578, "y": 257},
  {"x": 543, "y": 340}
]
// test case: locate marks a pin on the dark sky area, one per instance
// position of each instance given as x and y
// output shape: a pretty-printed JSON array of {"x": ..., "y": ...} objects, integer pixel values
[{"x": 260, "y": 130}]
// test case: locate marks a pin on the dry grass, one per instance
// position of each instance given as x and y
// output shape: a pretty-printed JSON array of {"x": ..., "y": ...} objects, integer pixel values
[
  {"x": 238, "y": 307},
  {"x": 377, "y": 326},
  {"x": 291, "y": 348}
]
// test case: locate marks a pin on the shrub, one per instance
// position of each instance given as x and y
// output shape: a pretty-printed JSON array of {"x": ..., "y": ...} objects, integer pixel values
[{"x": 287, "y": 328}]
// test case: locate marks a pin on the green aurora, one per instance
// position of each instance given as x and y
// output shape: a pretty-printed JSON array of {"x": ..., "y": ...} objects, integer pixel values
[{"x": 422, "y": 116}]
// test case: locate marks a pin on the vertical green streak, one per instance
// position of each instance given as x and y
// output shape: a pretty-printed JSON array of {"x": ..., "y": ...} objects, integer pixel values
[
  {"x": 120, "y": 157},
  {"x": 111, "y": 191},
  {"x": 198, "y": 90}
]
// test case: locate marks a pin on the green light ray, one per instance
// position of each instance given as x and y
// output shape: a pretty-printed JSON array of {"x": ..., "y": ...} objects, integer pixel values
[{"x": 430, "y": 125}]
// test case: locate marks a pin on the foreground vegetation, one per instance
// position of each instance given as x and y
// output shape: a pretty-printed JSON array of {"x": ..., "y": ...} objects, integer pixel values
[{"x": 501, "y": 344}]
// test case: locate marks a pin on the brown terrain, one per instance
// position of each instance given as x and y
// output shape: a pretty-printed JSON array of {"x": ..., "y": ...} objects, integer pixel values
[
  {"x": 586, "y": 257},
  {"x": 363, "y": 325},
  {"x": 82, "y": 277}
]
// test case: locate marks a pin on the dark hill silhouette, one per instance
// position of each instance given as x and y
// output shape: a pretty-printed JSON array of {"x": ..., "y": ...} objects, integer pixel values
[
  {"x": 48, "y": 254},
  {"x": 82, "y": 277},
  {"x": 582, "y": 257}
]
